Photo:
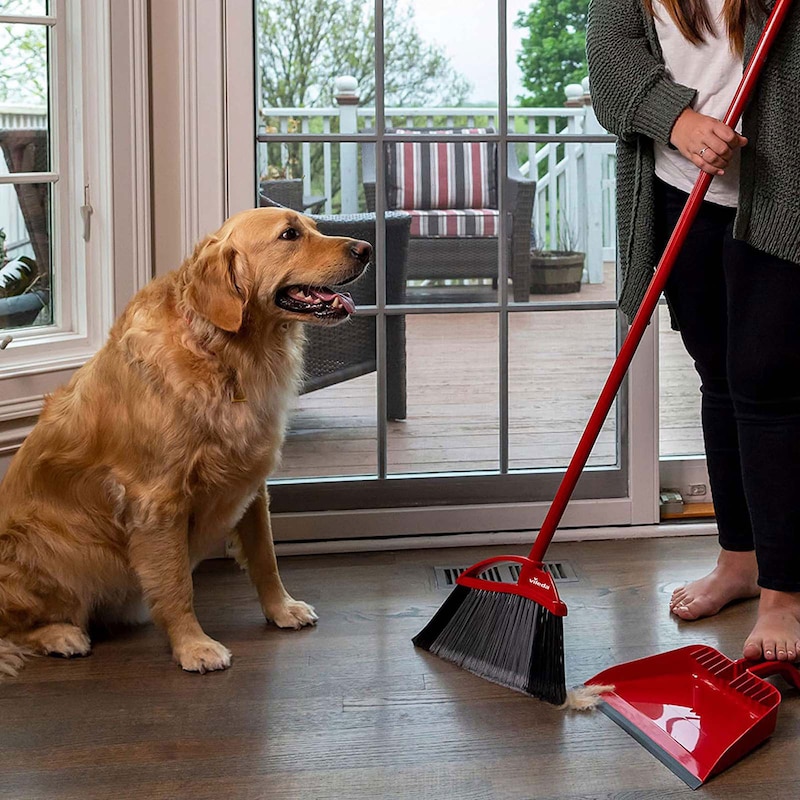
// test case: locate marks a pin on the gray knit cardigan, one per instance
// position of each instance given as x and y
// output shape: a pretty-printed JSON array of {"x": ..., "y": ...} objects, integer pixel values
[{"x": 634, "y": 100}]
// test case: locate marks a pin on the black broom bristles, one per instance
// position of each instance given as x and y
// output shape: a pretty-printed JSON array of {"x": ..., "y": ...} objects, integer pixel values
[{"x": 503, "y": 637}]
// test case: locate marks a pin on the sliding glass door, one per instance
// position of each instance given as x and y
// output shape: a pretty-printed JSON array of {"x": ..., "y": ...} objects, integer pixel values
[{"x": 453, "y": 399}]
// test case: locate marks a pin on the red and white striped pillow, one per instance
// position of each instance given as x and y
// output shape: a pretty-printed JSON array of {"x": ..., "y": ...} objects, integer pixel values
[
  {"x": 441, "y": 175},
  {"x": 477, "y": 223}
]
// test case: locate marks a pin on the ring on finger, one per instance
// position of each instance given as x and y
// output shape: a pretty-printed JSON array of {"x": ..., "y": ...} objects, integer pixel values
[{"x": 702, "y": 151}]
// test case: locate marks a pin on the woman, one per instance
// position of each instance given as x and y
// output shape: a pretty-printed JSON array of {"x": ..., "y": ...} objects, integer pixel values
[{"x": 662, "y": 74}]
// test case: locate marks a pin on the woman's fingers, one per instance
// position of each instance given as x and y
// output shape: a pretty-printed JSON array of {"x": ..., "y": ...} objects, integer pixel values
[
  {"x": 718, "y": 150},
  {"x": 708, "y": 143},
  {"x": 700, "y": 162},
  {"x": 715, "y": 158}
]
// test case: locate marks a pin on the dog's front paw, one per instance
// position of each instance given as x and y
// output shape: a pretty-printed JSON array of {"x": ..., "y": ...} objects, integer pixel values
[
  {"x": 65, "y": 641},
  {"x": 292, "y": 614},
  {"x": 202, "y": 655}
]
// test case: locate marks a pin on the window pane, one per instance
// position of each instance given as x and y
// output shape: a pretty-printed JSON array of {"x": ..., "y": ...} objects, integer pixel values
[
  {"x": 441, "y": 54},
  {"x": 680, "y": 429},
  {"x": 574, "y": 212},
  {"x": 546, "y": 52},
  {"x": 312, "y": 177},
  {"x": 441, "y": 77},
  {"x": 332, "y": 431},
  {"x": 314, "y": 54},
  {"x": 451, "y": 385},
  {"x": 24, "y": 135},
  {"x": 19, "y": 8},
  {"x": 25, "y": 255},
  {"x": 558, "y": 363},
  {"x": 450, "y": 192}
]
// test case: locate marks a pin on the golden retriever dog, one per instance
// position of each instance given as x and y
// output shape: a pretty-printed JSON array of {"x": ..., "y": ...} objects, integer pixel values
[{"x": 158, "y": 449}]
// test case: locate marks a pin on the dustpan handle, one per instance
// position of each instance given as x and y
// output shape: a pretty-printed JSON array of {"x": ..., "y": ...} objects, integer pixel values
[
  {"x": 764, "y": 669},
  {"x": 654, "y": 290}
]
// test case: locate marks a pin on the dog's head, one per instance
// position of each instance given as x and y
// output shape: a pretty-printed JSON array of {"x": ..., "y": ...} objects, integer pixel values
[{"x": 273, "y": 261}]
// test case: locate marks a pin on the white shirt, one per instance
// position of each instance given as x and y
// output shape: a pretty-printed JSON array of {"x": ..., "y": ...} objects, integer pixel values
[{"x": 715, "y": 71}]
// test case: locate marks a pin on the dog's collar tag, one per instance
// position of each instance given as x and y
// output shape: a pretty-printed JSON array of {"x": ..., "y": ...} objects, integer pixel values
[{"x": 236, "y": 392}]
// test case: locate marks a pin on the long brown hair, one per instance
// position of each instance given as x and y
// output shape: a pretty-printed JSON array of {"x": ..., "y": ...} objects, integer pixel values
[{"x": 694, "y": 21}]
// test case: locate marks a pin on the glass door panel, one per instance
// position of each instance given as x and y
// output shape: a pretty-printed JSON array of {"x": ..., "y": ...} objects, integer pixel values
[{"x": 486, "y": 363}]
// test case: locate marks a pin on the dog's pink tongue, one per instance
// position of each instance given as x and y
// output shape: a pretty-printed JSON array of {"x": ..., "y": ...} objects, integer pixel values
[{"x": 344, "y": 299}]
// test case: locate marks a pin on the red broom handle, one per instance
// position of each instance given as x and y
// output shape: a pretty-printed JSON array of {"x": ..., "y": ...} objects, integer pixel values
[{"x": 654, "y": 290}]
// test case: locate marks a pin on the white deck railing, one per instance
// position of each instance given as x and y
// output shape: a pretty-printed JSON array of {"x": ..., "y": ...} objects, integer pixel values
[{"x": 575, "y": 190}]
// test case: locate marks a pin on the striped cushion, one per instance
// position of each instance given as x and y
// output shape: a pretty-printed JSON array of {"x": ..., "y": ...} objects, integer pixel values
[
  {"x": 437, "y": 175},
  {"x": 476, "y": 222}
]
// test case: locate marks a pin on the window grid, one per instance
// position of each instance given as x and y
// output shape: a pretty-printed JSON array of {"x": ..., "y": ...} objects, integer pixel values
[{"x": 503, "y": 307}]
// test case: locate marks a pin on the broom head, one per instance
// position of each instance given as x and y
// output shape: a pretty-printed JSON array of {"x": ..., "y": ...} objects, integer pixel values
[{"x": 509, "y": 633}]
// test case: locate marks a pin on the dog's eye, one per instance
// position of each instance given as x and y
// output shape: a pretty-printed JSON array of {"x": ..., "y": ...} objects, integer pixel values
[{"x": 290, "y": 234}]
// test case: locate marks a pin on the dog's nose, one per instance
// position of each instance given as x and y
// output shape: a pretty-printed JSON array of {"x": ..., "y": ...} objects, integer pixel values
[{"x": 361, "y": 251}]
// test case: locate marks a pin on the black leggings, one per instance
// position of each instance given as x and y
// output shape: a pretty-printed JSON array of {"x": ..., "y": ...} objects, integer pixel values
[{"x": 739, "y": 314}]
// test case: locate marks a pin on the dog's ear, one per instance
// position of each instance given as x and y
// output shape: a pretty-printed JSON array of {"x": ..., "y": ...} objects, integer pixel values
[{"x": 213, "y": 291}]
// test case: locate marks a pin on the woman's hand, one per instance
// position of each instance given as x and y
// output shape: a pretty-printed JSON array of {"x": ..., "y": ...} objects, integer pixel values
[{"x": 708, "y": 143}]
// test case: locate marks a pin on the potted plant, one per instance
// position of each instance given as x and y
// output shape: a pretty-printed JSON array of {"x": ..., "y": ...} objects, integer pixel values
[
  {"x": 19, "y": 304},
  {"x": 558, "y": 270}
]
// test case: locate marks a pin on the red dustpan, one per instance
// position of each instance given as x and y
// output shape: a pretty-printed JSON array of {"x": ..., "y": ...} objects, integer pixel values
[{"x": 694, "y": 709}]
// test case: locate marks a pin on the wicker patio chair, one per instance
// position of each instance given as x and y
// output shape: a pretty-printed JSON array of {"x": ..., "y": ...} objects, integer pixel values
[
  {"x": 333, "y": 355},
  {"x": 454, "y": 218},
  {"x": 27, "y": 150},
  {"x": 285, "y": 192}
]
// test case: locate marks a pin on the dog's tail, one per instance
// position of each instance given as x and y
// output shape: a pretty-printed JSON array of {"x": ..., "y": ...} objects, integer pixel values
[{"x": 12, "y": 659}]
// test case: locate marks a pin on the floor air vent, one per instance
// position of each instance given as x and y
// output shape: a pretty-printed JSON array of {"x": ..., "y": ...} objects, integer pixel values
[{"x": 561, "y": 571}]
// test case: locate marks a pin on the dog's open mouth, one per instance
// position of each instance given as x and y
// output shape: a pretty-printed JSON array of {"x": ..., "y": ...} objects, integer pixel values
[{"x": 320, "y": 301}]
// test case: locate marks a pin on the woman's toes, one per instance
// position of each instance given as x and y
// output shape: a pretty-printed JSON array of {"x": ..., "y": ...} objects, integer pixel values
[
  {"x": 730, "y": 580},
  {"x": 678, "y": 597},
  {"x": 687, "y": 611},
  {"x": 768, "y": 648},
  {"x": 752, "y": 650}
]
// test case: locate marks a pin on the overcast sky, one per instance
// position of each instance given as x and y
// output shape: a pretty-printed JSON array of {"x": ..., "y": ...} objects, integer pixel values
[{"x": 467, "y": 30}]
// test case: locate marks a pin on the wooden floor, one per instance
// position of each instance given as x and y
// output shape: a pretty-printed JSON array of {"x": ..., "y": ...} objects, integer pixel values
[
  {"x": 351, "y": 711},
  {"x": 558, "y": 362}
]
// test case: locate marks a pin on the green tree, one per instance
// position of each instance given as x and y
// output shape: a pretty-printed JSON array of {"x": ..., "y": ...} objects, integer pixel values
[
  {"x": 23, "y": 65},
  {"x": 553, "y": 52},
  {"x": 304, "y": 44}
]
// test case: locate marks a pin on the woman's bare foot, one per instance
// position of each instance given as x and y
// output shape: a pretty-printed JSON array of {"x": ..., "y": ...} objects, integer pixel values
[
  {"x": 734, "y": 578},
  {"x": 777, "y": 631}
]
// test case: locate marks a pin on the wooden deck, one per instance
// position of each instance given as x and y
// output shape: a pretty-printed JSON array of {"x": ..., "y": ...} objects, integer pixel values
[{"x": 558, "y": 362}]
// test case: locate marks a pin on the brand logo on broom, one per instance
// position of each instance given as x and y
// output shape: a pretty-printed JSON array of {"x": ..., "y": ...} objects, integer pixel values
[{"x": 540, "y": 584}]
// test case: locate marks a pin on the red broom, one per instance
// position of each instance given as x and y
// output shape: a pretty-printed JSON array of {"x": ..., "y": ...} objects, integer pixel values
[{"x": 512, "y": 633}]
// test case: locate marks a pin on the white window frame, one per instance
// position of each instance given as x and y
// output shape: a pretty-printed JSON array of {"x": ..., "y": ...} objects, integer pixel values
[
  {"x": 82, "y": 288},
  {"x": 105, "y": 82}
]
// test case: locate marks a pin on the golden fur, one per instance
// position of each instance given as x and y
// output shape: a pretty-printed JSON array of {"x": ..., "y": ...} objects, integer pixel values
[{"x": 158, "y": 448}]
